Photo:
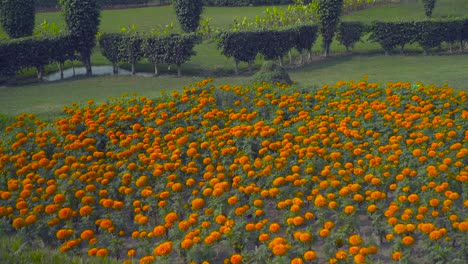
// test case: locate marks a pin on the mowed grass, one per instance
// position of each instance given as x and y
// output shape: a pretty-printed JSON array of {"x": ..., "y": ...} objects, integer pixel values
[{"x": 46, "y": 99}]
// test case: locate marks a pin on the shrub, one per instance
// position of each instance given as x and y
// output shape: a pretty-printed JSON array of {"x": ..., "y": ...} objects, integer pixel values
[
  {"x": 130, "y": 49},
  {"x": 271, "y": 72},
  {"x": 393, "y": 34},
  {"x": 329, "y": 13},
  {"x": 430, "y": 34},
  {"x": 17, "y": 17},
  {"x": 82, "y": 18},
  {"x": 305, "y": 37},
  {"x": 349, "y": 33},
  {"x": 241, "y": 45},
  {"x": 179, "y": 49},
  {"x": 188, "y": 13},
  {"x": 428, "y": 7},
  {"x": 110, "y": 43},
  {"x": 275, "y": 43},
  {"x": 154, "y": 51}
]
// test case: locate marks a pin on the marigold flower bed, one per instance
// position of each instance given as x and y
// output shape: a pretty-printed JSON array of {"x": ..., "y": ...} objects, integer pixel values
[{"x": 352, "y": 172}]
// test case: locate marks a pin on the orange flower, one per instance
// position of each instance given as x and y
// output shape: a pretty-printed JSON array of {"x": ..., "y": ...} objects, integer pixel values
[
  {"x": 65, "y": 213},
  {"x": 198, "y": 203},
  {"x": 236, "y": 259}
]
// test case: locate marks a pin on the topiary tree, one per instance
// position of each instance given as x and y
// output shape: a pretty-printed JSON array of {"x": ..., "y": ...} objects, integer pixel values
[
  {"x": 82, "y": 18},
  {"x": 188, "y": 13},
  {"x": 428, "y": 7},
  {"x": 17, "y": 17},
  {"x": 329, "y": 13}
]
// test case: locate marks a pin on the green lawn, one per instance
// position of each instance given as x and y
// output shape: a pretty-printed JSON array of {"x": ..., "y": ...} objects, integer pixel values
[{"x": 46, "y": 99}]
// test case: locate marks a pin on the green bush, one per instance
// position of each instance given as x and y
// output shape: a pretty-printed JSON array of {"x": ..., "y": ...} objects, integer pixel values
[
  {"x": 154, "y": 50},
  {"x": 329, "y": 14},
  {"x": 82, "y": 18},
  {"x": 393, "y": 34},
  {"x": 274, "y": 44},
  {"x": 305, "y": 37},
  {"x": 109, "y": 44},
  {"x": 130, "y": 49},
  {"x": 17, "y": 17},
  {"x": 188, "y": 13},
  {"x": 349, "y": 33},
  {"x": 430, "y": 34},
  {"x": 241, "y": 45},
  {"x": 179, "y": 49},
  {"x": 271, "y": 72}
]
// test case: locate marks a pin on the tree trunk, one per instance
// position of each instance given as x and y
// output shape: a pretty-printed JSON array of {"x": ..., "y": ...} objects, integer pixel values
[
  {"x": 326, "y": 50},
  {"x": 290, "y": 57},
  {"x": 133, "y": 68},
  {"x": 156, "y": 71},
  {"x": 236, "y": 67},
  {"x": 87, "y": 62},
  {"x": 40, "y": 72},
  {"x": 179, "y": 70},
  {"x": 73, "y": 67},
  {"x": 280, "y": 61},
  {"x": 250, "y": 67},
  {"x": 60, "y": 65},
  {"x": 115, "y": 68}
]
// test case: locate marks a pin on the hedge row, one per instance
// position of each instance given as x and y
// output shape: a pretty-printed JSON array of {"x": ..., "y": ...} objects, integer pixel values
[
  {"x": 428, "y": 33},
  {"x": 158, "y": 49},
  {"x": 35, "y": 52},
  {"x": 55, "y": 3},
  {"x": 272, "y": 44}
]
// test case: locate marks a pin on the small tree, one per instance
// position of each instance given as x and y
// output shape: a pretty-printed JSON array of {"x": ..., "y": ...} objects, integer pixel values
[
  {"x": 82, "y": 18},
  {"x": 428, "y": 7},
  {"x": 188, "y": 13},
  {"x": 17, "y": 17},
  {"x": 329, "y": 13}
]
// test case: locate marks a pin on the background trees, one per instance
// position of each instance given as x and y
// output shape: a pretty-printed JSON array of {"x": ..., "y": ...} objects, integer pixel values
[
  {"x": 188, "y": 13},
  {"x": 82, "y": 18},
  {"x": 17, "y": 17},
  {"x": 329, "y": 13}
]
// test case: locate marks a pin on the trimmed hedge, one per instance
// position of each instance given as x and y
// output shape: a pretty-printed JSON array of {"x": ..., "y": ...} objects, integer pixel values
[
  {"x": 427, "y": 33},
  {"x": 35, "y": 52},
  {"x": 55, "y": 3},
  {"x": 272, "y": 44},
  {"x": 110, "y": 48},
  {"x": 393, "y": 34},
  {"x": 158, "y": 49},
  {"x": 349, "y": 33}
]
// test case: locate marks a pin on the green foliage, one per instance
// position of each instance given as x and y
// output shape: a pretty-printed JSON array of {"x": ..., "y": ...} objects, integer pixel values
[
  {"x": 188, "y": 13},
  {"x": 55, "y": 3},
  {"x": 245, "y": 2},
  {"x": 393, "y": 34},
  {"x": 179, "y": 48},
  {"x": 306, "y": 35},
  {"x": 428, "y": 7},
  {"x": 154, "y": 51},
  {"x": 241, "y": 45},
  {"x": 35, "y": 52},
  {"x": 349, "y": 33},
  {"x": 274, "y": 44},
  {"x": 130, "y": 49},
  {"x": 17, "y": 17},
  {"x": 329, "y": 13},
  {"x": 430, "y": 34},
  {"x": 109, "y": 44},
  {"x": 271, "y": 72},
  {"x": 82, "y": 18}
]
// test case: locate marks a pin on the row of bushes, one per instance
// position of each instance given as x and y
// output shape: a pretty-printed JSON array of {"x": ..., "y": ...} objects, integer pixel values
[
  {"x": 428, "y": 33},
  {"x": 158, "y": 49},
  {"x": 36, "y": 52},
  {"x": 244, "y": 46},
  {"x": 55, "y": 3},
  {"x": 272, "y": 44}
]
